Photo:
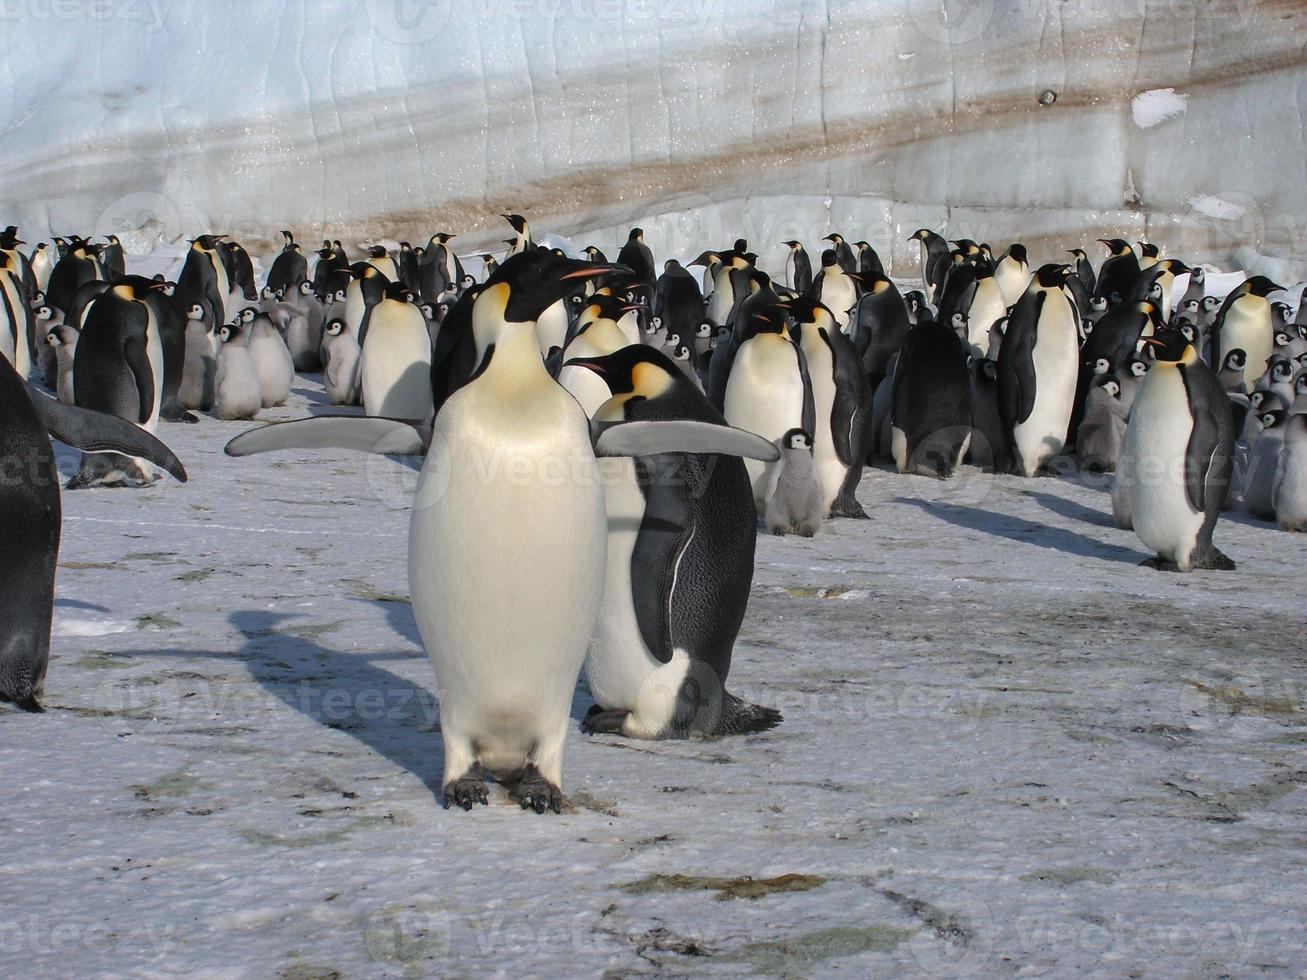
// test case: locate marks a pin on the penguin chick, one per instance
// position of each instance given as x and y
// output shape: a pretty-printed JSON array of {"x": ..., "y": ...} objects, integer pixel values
[
  {"x": 341, "y": 373},
  {"x": 1291, "y": 477},
  {"x": 62, "y": 339},
  {"x": 1259, "y": 482},
  {"x": 1232, "y": 369},
  {"x": 794, "y": 497},
  {"x": 1103, "y": 426},
  {"x": 239, "y": 394}
]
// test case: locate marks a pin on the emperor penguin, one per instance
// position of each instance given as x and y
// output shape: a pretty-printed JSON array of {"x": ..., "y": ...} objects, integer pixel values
[
  {"x": 1232, "y": 372},
  {"x": 1011, "y": 275},
  {"x": 678, "y": 302},
  {"x": 794, "y": 499},
  {"x": 768, "y": 393},
  {"x": 203, "y": 279},
  {"x": 42, "y": 262},
  {"x": 1244, "y": 321},
  {"x": 367, "y": 287},
  {"x": 934, "y": 262},
  {"x": 1117, "y": 275},
  {"x": 1084, "y": 271},
  {"x": 118, "y": 369},
  {"x": 835, "y": 289},
  {"x": 31, "y": 518},
  {"x": 15, "y": 318},
  {"x": 869, "y": 263},
  {"x": 240, "y": 271},
  {"x": 439, "y": 268},
  {"x": 1291, "y": 478},
  {"x": 47, "y": 318},
  {"x": 271, "y": 357},
  {"x": 989, "y": 303},
  {"x": 712, "y": 263},
  {"x": 1173, "y": 473},
  {"x": 200, "y": 367},
  {"x": 395, "y": 359},
  {"x": 681, "y": 538},
  {"x": 340, "y": 376},
  {"x": 407, "y": 263},
  {"x": 931, "y": 415},
  {"x": 843, "y": 254},
  {"x": 798, "y": 267},
  {"x": 522, "y": 240},
  {"x": 290, "y": 268},
  {"x": 379, "y": 258},
  {"x": 637, "y": 257},
  {"x": 62, "y": 338},
  {"x": 1149, "y": 255},
  {"x": 600, "y": 337},
  {"x": 1257, "y": 483},
  {"x": 1197, "y": 286},
  {"x": 987, "y": 439},
  {"x": 1037, "y": 368},
  {"x": 76, "y": 267},
  {"x": 1102, "y": 430},
  {"x": 238, "y": 393},
  {"x": 841, "y": 394}
]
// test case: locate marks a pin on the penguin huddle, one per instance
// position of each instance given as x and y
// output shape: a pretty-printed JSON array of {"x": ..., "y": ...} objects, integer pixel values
[{"x": 603, "y": 439}]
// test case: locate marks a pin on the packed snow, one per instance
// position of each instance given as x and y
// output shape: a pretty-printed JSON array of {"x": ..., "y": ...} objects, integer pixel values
[{"x": 1007, "y": 749}]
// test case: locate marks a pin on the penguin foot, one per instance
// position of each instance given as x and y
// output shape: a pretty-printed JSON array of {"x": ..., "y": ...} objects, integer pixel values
[
  {"x": 603, "y": 721},
  {"x": 1160, "y": 565},
  {"x": 28, "y": 703},
  {"x": 1214, "y": 561},
  {"x": 536, "y": 793},
  {"x": 467, "y": 790},
  {"x": 851, "y": 509}
]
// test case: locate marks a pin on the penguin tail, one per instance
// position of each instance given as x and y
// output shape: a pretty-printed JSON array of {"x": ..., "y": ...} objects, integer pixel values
[{"x": 744, "y": 718}]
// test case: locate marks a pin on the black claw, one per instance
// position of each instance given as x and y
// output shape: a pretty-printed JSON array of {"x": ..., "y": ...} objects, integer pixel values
[
  {"x": 466, "y": 791},
  {"x": 600, "y": 721}
]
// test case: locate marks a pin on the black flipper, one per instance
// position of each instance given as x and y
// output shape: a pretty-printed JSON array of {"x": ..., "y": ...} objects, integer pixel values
[
  {"x": 849, "y": 379},
  {"x": 139, "y": 364},
  {"x": 359, "y": 433},
  {"x": 1209, "y": 458},
  {"x": 100, "y": 432}
]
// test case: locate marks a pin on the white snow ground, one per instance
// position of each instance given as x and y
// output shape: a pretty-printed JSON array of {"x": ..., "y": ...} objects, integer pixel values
[{"x": 1007, "y": 750}]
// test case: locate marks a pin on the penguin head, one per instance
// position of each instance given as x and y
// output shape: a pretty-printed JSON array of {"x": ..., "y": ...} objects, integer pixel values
[
  {"x": 704, "y": 330},
  {"x": 1117, "y": 246},
  {"x": 1283, "y": 338},
  {"x": 1173, "y": 266},
  {"x": 1170, "y": 346},
  {"x": 441, "y": 238},
  {"x": 334, "y": 327},
  {"x": 195, "y": 312},
  {"x": 1264, "y": 398},
  {"x": 340, "y": 295},
  {"x": 835, "y": 237},
  {"x": 653, "y": 326},
  {"x": 672, "y": 340},
  {"x": 399, "y": 293},
  {"x": 1138, "y": 367},
  {"x": 1102, "y": 366},
  {"x": 207, "y": 243},
  {"x": 1053, "y": 275},
  {"x": 635, "y": 235},
  {"x": 377, "y": 251},
  {"x": 793, "y": 245},
  {"x": 828, "y": 260},
  {"x": 230, "y": 333},
  {"x": 1149, "y": 250},
  {"x": 1280, "y": 369},
  {"x": 306, "y": 288},
  {"x": 920, "y": 235},
  {"x": 959, "y": 321},
  {"x": 706, "y": 258},
  {"x": 721, "y": 336},
  {"x": 517, "y": 221},
  {"x": 636, "y": 371},
  {"x": 1258, "y": 286},
  {"x": 681, "y": 352},
  {"x": 1077, "y": 253},
  {"x": 1097, "y": 305},
  {"x": 1300, "y": 384},
  {"x": 428, "y": 311},
  {"x": 247, "y": 315},
  {"x": 267, "y": 293},
  {"x": 1187, "y": 328},
  {"x": 989, "y": 368},
  {"x": 808, "y": 312},
  {"x": 797, "y": 439},
  {"x": 1018, "y": 251},
  {"x": 529, "y": 283},
  {"x": 1109, "y": 384},
  {"x": 1272, "y": 417}
]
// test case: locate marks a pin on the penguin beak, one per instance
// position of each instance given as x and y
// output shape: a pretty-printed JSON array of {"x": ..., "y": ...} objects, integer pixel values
[
  {"x": 590, "y": 364},
  {"x": 591, "y": 271}
]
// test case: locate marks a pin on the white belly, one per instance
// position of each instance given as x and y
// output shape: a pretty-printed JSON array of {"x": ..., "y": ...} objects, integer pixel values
[
  {"x": 1042, "y": 435},
  {"x": 154, "y": 353},
  {"x": 765, "y": 396},
  {"x": 839, "y": 295},
  {"x": 1154, "y": 453},
  {"x": 506, "y": 564},
  {"x": 354, "y": 308},
  {"x": 272, "y": 364},
  {"x": 551, "y": 328},
  {"x": 987, "y": 305},
  {"x": 13, "y": 335},
  {"x": 1012, "y": 281},
  {"x": 396, "y": 369},
  {"x": 1247, "y": 325}
]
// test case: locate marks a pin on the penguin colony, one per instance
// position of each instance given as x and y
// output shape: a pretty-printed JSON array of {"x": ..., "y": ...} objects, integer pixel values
[{"x": 688, "y": 405}]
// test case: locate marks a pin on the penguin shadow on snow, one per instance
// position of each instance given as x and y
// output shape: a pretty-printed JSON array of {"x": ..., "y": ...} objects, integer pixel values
[
  {"x": 1026, "y": 531},
  {"x": 314, "y": 396},
  {"x": 1071, "y": 510}
]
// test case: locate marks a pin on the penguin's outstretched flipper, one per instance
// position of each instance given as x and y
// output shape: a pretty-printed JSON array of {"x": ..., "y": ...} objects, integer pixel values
[
  {"x": 100, "y": 432},
  {"x": 682, "y": 436},
  {"x": 359, "y": 433}
]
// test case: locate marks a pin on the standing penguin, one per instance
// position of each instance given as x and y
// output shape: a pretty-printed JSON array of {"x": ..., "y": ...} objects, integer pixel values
[
  {"x": 1084, "y": 272},
  {"x": 439, "y": 268},
  {"x": 768, "y": 392},
  {"x": 843, "y": 254},
  {"x": 681, "y": 535},
  {"x": 841, "y": 435},
  {"x": 238, "y": 395},
  {"x": 522, "y": 241},
  {"x": 341, "y": 373},
  {"x": 395, "y": 363},
  {"x": 1117, "y": 275},
  {"x": 271, "y": 357},
  {"x": 835, "y": 288},
  {"x": 931, "y": 414},
  {"x": 1245, "y": 321},
  {"x": 30, "y": 518},
  {"x": 118, "y": 369},
  {"x": 1256, "y": 485},
  {"x": 989, "y": 303},
  {"x": 379, "y": 258},
  {"x": 289, "y": 268},
  {"x": 798, "y": 268},
  {"x": 1291, "y": 479},
  {"x": 1012, "y": 275},
  {"x": 1102, "y": 431},
  {"x": 637, "y": 257},
  {"x": 203, "y": 279},
  {"x": 987, "y": 439},
  {"x": 794, "y": 498},
  {"x": 200, "y": 367},
  {"x": 934, "y": 262},
  {"x": 42, "y": 262},
  {"x": 1037, "y": 371},
  {"x": 62, "y": 339},
  {"x": 75, "y": 268},
  {"x": 1174, "y": 470}
]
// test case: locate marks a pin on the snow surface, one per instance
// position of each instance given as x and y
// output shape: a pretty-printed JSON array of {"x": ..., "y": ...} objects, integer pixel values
[
  {"x": 1152, "y": 108},
  {"x": 1007, "y": 750}
]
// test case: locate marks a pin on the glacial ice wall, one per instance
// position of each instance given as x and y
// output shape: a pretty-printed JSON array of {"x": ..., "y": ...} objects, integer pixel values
[{"x": 1053, "y": 120}]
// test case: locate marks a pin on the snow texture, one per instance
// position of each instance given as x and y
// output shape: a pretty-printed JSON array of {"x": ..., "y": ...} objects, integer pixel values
[
  {"x": 698, "y": 119},
  {"x": 1149, "y": 109},
  {"x": 1007, "y": 749}
]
